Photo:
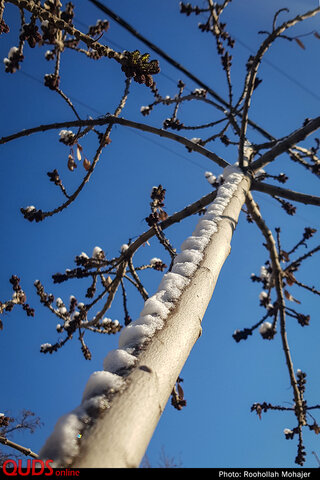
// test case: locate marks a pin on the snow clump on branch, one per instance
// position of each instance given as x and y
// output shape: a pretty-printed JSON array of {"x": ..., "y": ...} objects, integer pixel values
[{"x": 66, "y": 136}]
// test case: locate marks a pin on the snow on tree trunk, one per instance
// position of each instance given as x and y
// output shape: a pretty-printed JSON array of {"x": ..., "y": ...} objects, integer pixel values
[{"x": 122, "y": 404}]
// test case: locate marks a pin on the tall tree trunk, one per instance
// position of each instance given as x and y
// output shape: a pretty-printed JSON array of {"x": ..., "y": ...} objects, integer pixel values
[{"x": 120, "y": 435}]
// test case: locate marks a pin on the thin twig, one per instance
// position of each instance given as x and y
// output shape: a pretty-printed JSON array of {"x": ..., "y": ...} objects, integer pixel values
[
  {"x": 139, "y": 285},
  {"x": 68, "y": 101},
  {"x": 112, "y": 291},
  {"x": 311, "y": 289},
  {"x": 127, "y": 318},
  {"x": 285, "y": 144},
  {"x": 252, "y": 73},
  {"x": 103, "y": 143},
  {"x": 296, "y": 262}
]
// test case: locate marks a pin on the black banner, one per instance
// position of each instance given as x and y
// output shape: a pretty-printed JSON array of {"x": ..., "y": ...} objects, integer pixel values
[{"x": 8, "y": 471}]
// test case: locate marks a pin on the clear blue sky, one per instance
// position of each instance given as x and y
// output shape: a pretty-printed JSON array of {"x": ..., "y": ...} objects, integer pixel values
[{"x": 222, "y": 379}]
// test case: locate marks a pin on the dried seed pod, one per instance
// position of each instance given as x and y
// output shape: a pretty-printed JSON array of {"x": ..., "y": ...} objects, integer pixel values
[
  {"x": 71, "y": 163},
  {"x": 86, "y": 164},
  {"x": 79, "y": 148}
]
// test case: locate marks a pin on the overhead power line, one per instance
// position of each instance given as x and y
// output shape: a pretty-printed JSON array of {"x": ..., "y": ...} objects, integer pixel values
[
  {"x": 282, "y": 72},
  {"x": 134, "y": 132},
  {"x": 121, "y": 47},
  {"x": 173, "y": 62}
]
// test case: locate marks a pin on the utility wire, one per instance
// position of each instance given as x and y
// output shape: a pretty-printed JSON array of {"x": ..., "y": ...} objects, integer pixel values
[
  {"x": 98, "y": 112},
  {"x": 173, "y": 62},
  {"x": 177, "y": 65},
  {"x": 76, "y": 100},
  {"x": 282, "y": 72},
  {"x": 243, "y": 44},
  {"x": 180, "y": 67},
  {"x": 263, "y": 198},
  {"x": 275, "y": 67},
  {"x": 121, "y": 47}
]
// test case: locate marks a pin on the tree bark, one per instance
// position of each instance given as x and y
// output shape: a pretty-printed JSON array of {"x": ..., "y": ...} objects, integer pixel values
[{"x": 119, "y": 438}]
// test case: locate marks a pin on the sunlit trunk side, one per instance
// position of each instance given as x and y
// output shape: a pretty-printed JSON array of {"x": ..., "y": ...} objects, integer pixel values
[{"x": 121, "y": 436}]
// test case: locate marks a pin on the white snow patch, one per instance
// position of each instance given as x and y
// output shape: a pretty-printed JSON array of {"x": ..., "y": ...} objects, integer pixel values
[
  {"x": 62, "y": 446},
  {"x": 158, "y": 307},
  {"x": 192, "y": 256},
  {"x": 155, "y": 306},
  {"x": 30, "y": 208},
  {"x": 264, "y": 274},
  {"x": 210, "y": 177},
  {"x": 12, "y": 52},
  {"x": 101, "y": 382},
  {"x": 66, "y": 135},
  {"x": 200, "y": 91},
  {"x": 99, "y": 402},
  {"x": 153, "y": 320},
  {"x": 172, "y": 285},
  {"x": 208, "y": 224},
  {"x": 136, "y": 335},
  {"x": 195, "y": 243},
  {"x": 205, "y": 229},
  {"x": 97, "y": 252},
  {"x": 263, "y": 295},
  {"x": 118, "y": 359},
  {"x": 155, "y": 260},
  {"x": 185, "y": 269},
  {"x": 265, "y": 327}
]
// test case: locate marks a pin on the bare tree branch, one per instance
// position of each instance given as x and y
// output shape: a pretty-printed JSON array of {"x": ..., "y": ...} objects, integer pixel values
[
  {"x": 286, "y": 144},
  {"x": 26, "y": 451},
  {"x": 110, "y": 119},
  {"x": 285, "y": 193},
  {"x": 44, "y": 15},
  {"x": 252, "y": 73},
  {"x": 278, "y": 276}
]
